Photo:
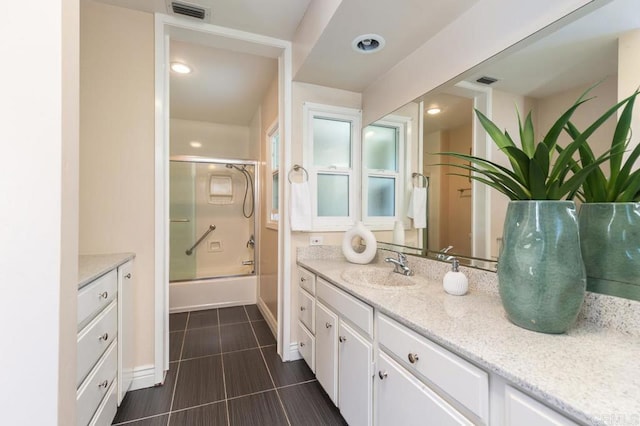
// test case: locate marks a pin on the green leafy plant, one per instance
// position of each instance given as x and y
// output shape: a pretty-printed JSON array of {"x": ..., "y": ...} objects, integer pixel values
[
  {"x": 538, "y": 171},
  {"x": 623, "y": 183}
]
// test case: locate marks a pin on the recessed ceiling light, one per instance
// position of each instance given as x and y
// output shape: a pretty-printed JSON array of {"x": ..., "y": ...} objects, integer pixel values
[
  {"x": 180, "y": 68},
  {"x": 434, "y": 111},
  {"x": 195, "y": 144},
  {"x": 368, "y": 43}
]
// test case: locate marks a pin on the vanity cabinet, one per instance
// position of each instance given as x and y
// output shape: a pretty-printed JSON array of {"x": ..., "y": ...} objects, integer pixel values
[
  {"x": 344, "y": 352},
  {"x": 306, "y": 316},
  {"x": 522, "y": 410},
  {"x": 453, "y": 378},
  {"x": 104, "y": 366}
]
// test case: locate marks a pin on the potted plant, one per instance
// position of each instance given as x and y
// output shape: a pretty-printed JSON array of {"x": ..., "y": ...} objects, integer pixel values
[
  {"x": 541, "y": 275},
  {"x": 609, "y": 218}
]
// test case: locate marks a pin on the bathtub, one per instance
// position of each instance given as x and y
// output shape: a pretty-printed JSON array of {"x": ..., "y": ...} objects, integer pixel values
[{"x": 212, "y": 293}]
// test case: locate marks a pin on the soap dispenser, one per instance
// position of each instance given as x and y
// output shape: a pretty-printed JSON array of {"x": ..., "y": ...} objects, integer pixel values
[{"x": 455, "y": 282}]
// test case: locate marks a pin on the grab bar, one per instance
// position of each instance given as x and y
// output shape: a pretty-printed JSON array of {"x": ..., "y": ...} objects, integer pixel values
[{"x": 207, "y": 232}]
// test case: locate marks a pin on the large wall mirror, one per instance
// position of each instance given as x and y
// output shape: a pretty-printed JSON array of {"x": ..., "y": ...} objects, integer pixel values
[{"x": 464, "y": 218}]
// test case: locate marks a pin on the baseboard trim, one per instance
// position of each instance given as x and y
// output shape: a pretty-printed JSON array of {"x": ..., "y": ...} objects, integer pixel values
[
  {"x": 294, "y": 354},
  {"x": 206, "y": 306},
  {"x": 268, "y": 316},
  {"x": 143, "y": 377}
]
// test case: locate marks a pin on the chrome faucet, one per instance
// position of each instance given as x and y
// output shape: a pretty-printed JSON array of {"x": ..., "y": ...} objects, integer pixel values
[
  {"x": 442, "y": 254},
  {"x": 400, "y": 264}
]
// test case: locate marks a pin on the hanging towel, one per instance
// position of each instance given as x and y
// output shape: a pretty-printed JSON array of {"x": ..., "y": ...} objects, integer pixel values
[
  {"x": 418, "y": 207},
  {"x": 300, "y": 206}
]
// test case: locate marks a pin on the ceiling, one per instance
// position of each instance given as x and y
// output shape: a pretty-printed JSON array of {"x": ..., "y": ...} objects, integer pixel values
[{"x": 455, "y": 111}]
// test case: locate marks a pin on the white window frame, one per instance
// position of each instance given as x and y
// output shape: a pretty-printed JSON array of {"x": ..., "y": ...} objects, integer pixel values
[
  {"x": 403, "y": 179},
  {"x": 272, "y": 215},
  {"x": 353, "y": 116}
]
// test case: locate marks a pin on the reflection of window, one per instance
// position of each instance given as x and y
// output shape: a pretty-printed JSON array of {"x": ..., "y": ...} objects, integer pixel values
[
  {"x": 383, "y": 171},
  {"x": 332, "y": 142},
  {"x": 273, "y": 169}
]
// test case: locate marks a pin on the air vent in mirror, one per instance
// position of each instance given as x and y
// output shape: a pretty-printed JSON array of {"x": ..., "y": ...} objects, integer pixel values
[
  {"x": 188, "y": 9},
  {"x": 487, "y": 80}
]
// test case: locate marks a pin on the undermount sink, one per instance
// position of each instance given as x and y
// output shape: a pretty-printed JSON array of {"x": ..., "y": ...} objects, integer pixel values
[{"x": 376, "y": 277}]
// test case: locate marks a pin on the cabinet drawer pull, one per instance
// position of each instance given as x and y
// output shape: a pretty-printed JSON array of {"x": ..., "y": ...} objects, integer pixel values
[
  {"x": 413, "y": 358},
  {"x": 302, "y": 344},
  {"x": 302, "y": 308},
  {"x": 128, "y": 276},
  {"x": 342, "y": 339},
  {"x": 104, "y": 337},
  {"x": 104, "y": 384},
  {"x": 382, "y": 375},
  {"x": 327, "y": 325},
  {"x": 103, "y": 295}
]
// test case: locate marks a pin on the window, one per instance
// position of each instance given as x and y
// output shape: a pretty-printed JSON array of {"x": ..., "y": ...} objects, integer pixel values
[
  {"x": 384, "y": 146},
  {"x": 273, "y": 181},
  {"x": 332, "y": 150}
]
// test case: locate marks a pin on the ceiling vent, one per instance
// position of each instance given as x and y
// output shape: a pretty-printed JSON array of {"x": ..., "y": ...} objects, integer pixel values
[
  {"x": 190, "y": 10},
  {"x": 487, "y": 80}
]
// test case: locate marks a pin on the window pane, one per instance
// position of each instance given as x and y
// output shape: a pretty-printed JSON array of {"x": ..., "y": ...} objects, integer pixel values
[
  {"x": 381, "y": 148},
  {"x": 274, "y": 192},
  {"x": 331, "y": 142},
  {"x": 381, "y": 196},
  {"x": 275, "y": 149},
  {"x": 333, "y": 195}
]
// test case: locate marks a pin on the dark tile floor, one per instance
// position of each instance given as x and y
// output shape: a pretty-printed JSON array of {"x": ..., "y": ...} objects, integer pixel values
[{"x": 224, "y": 370}]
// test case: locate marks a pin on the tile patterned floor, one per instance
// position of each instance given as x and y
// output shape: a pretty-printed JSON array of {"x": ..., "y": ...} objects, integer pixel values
[{"x": 224, "y": 370}]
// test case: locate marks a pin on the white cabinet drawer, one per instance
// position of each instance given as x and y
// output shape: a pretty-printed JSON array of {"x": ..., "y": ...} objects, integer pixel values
[
  {"x": 360, "y": 314},
  {"x": 307, "y": 346},
  {"x": 307, "y": 310},
  {"x": 107, "y": 409},
  {"x": 403, "y": 400},
  {"x": 94, "y": 339},
  {"x": 95, "y": 296},
  {"x": 461, "y": 380},
  {"x": 523, "y": 410},
  {"x": 95, "y": 387},
  {"x": 307, "y": 280}
]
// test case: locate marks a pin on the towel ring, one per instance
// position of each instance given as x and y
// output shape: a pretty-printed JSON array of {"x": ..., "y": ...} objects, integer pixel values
[
  {"x": 296, "y": 168},
  {"x": 420, "y": 175}
]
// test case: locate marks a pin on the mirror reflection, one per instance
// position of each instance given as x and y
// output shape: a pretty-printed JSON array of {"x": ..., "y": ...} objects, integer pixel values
[{"x": 465, "y": 218}]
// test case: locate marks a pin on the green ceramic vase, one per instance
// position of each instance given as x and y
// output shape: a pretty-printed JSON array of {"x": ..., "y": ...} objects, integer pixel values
[
  {"x": 610, "y": 242},
  {"x": 541, "y": 276}
]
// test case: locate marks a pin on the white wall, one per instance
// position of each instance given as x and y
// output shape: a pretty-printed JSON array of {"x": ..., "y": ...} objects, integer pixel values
[
  {"x": 38, "y": 221},
  {"x": 218, "y": 140},
  {"x": 485, "y": 30}
]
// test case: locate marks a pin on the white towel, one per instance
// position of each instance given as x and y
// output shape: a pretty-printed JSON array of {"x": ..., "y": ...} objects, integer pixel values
[
  {"x": 300, "y": 206},
  {"x": 418, "y": 207}
]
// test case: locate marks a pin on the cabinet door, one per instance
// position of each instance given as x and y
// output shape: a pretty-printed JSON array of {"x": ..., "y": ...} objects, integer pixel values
[
  {"x": 125, "y": 328},
  {"x": 523, "y": 410},
  {"x": 327, "y": 350},
  {"x": 354, "y": 377},
  {"x": 404, "y": 400}
]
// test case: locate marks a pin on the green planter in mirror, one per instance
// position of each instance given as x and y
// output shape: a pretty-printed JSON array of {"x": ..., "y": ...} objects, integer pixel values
[{"x": 610, "y": 214}]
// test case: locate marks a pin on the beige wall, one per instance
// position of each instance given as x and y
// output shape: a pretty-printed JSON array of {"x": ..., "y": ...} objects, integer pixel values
[
  {"x": 218, "y": 140},
  {"x": 488, "y": 28},
  {"x": 433, "y": 143},
  {"x": 629, "y": 76},
  {"x": 268, "y": 243},
  {"x": 38, "y": 181},
  {"x": 117, "y": 148},
  {"x": 456, "y": 229}
]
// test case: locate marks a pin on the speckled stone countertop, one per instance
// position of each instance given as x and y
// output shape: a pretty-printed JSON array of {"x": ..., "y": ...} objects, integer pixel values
[
  {"x": 592, "y": 373},
  {"x": 91, "y": 266}
]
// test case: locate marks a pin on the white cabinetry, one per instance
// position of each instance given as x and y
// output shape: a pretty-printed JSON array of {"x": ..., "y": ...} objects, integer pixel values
[
  {"x": 105, "y": 362},
  {"x": 522, "y": 410},
  {"x": 344, "y": 352},
  {"x": 404, "y": 400},
  {"x": 306, "y": 316}
]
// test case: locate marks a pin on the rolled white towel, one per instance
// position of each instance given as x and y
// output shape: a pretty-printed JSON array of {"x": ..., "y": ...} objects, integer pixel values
[{"x": 418, "y": 207}]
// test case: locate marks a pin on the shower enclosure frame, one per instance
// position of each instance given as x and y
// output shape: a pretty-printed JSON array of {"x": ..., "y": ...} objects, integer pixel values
[{"x": 256, "y": 204}]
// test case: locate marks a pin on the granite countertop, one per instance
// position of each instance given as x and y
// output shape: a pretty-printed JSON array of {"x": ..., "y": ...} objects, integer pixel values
[
  {"x": 91, "y": 266},
  {"x": 591, "y": 373}
]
